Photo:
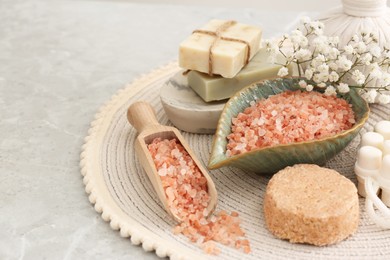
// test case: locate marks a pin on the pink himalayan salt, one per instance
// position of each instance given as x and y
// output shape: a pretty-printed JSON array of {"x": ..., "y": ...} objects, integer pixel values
[
  {"x": 288, "y": 117},
  {"x": 184, "y": 184},
  {"x": 186, "y": 190}
]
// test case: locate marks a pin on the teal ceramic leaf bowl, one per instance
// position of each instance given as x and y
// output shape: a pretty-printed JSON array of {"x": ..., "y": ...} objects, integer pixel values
[{"x": 272, "y": 159}]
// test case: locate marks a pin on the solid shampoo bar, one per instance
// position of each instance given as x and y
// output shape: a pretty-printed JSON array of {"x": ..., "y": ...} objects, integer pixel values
[
  {"x": 220, "y": 47},
  {"x": 212, "y": 88}
]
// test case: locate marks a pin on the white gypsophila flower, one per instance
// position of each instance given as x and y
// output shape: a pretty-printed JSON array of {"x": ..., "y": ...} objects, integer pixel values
[
  {"x": 333, "y": 53},
  {"x": 283, "y": 72},
  {"x": 321, "y": 85},
  {"x": 316, "y": 78},
  {"x": 361, "y": 47},
  {"x": 368, "y": 36},
  {"x": 374, "y": 66},
  {"x": 330, "y": 91},
  {"x": 304, "y": 42},
  {"x": 268, "y": 45},
  {"x": 296, "y": 33},
  {"x": 302, "y": 84},
  {"x": 370, "y": 95},
  {"x": 334, "y": 40},
  {"x": 303, "y": 54},
  {"x": 323, "y": 60},
  {"x": 309, "y": 87},
  {"x": 355, "y": 38},
  {"x": 358, "y": 77},
  {"x": 272, "y": 47},
  {"x": 386, "y": 54},
  {"x": 319, "y": 40},
  {"x": 318, "y": 31},
  {"x": 375, "y": 71},
  {"x": 375, "y": 36},
  {"x": 317, "y": 27},
  {"x": 365, "y": 32},
  {"x": 323, "y": 48},
  {"x": 297, "y": 39},
  {"x": 344, "y": 63},
  {"x": 333, "y": 76},
  {"x": 375, "y": 51},
  {"x": 343, "y": 88},
  {"x": 324, "y": 76},
  {"x": 333, "y": 66},
  {"x": 318, "y": 60},
  {"x": 386, "y": 78},
  {"x": 366, "y": 58},
  {"x": 315, "y": 63},
  {"x": 348, "y": 49},
  {"x": 383, "y": 99},
  {"x": 323, "y": 68},
  {"x": 321, "y": 25},
  {"x": 309, "y": 73}
]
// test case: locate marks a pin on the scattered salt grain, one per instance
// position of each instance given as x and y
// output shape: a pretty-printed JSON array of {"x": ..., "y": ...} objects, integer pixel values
[
  {"x": 186, "y": 191},
  {"x": 289, "y": 117}
]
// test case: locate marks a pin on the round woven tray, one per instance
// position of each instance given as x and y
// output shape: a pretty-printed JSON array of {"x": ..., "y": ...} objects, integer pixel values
[{"x": 122, "y": 193}]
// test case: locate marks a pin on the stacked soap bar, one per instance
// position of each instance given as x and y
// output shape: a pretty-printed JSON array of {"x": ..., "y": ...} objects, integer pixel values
[
  {"x": 212, "y": 88},
  {"x": 220, "y": 48},
  {"x": 187, "y": 110}
]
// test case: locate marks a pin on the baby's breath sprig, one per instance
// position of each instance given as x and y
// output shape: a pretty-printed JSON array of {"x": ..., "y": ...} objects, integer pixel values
[{"x": 361, "y": 64}]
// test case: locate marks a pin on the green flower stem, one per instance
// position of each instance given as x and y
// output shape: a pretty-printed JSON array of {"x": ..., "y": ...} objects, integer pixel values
[
  {"x": 348, "y": 71},
  {"x": 299, "y": 68}
]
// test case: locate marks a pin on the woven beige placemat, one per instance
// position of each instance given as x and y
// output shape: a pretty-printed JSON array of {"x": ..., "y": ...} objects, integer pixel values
[{"x": 122, "y": 193}]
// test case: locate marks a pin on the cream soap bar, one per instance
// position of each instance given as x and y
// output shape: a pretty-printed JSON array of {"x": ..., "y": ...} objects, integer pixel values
[
  {"x": 220, "y": 48},
  {"x": 212, "y": 88}
]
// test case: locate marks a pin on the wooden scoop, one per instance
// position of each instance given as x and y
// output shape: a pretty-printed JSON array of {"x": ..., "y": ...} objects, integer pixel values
[{"x": 143, "y": 118}]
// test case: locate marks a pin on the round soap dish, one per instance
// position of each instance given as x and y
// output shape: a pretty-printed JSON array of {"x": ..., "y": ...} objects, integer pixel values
[{"x": 186, "y": 110}]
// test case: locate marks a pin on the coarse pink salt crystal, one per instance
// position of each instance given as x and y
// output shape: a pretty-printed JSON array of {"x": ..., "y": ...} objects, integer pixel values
[
  {"x": 288, "y": 117},
  {"x": 210, "y": 248},
  {"x": 186, "y": 191},
  {"x": 234, "y": 214},
  {"x": 192, "y": 193}
]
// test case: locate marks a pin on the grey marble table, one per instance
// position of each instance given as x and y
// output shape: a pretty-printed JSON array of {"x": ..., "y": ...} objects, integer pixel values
[{"x": 59, "y": 62}]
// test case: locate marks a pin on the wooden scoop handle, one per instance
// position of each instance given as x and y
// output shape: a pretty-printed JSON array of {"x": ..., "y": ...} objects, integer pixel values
[{"x": 141, "y": 115}]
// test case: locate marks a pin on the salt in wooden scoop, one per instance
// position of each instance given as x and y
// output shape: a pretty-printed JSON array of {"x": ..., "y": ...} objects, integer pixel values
[{"x": 143, "y": 118}]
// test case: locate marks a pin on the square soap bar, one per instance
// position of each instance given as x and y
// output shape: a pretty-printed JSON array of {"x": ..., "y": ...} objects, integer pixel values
[
  {"x": 213, "y": 88},
  {"x": 220, "y": 48}
]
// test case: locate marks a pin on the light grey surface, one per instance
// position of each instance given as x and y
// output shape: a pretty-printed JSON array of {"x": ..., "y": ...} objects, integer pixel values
[
  {"x": 59, "y": 62},
  {"x": 283, "y": 5}
]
